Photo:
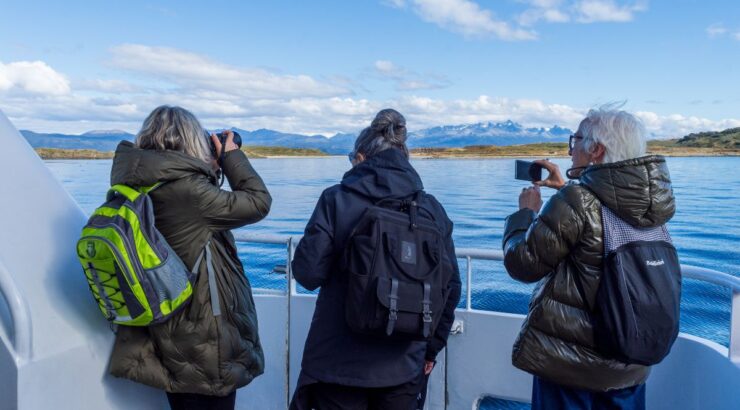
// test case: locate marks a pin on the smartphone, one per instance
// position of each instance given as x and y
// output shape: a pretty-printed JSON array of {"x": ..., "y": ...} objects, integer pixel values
[{"x": 528, "y": 171}]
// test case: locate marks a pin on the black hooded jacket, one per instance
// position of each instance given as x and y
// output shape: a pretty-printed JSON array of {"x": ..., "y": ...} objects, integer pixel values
[{"x": 333, "y": 353}]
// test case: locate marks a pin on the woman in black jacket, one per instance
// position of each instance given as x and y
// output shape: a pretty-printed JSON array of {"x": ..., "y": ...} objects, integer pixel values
[
  {"x": 562, "y": 247},
  {"x": 342, "y": 369}
]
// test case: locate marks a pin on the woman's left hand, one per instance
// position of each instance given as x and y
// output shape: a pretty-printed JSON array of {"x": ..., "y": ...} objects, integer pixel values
[
  {"x": 554, "y": 179},
  {"x": 530, "y": 198}
]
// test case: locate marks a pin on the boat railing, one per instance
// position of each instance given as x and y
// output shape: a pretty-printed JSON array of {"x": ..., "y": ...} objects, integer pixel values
[
  {"x": 20, "y": 314},
  {"x": 470, "y": 254}
]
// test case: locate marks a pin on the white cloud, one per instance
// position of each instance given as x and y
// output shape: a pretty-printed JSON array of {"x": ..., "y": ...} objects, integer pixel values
[
  {"x": 387, "y": 68},
  {"x": 399, "y": 4},
  {"x": 413, "y": 85},
  {"x": 425, "y": 112},
  {"x": 57, "y": 106},
  {"x": 716, "y": 30},
  {"x": 407, "y": 80},
  {"x": 33, "y": 77},
  {"x": 677, "y": 125},
  {"x": 189, "y": 70},
  {"x": 593, "y": 11},
  {"x": 467, "y": 18},
  {"x": 547, "y": 10},
  {"x": 112, "y": 86}
]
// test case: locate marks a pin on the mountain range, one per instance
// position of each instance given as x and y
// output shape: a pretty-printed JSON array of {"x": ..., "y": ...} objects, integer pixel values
[{"x": 448, "y": 136}]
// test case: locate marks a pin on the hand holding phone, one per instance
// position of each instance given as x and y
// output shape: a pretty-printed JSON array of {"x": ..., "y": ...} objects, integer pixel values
[{"x": 554, "y": 179}]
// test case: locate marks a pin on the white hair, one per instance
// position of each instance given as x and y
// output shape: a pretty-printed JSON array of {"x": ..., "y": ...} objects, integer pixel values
[{"x": 622, "y": 134}]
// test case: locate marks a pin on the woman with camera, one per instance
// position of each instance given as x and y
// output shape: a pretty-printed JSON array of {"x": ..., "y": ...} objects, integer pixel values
[
  {"x": 563, "y": 247},
  {"x": 202, "y": 355}
]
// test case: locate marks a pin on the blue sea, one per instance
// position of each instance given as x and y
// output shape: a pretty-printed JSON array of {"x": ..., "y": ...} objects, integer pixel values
[{"x": 478, "y": 194}]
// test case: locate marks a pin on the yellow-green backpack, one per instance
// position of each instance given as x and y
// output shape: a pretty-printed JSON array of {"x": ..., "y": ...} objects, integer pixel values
[{"x": 134, "y": 275}]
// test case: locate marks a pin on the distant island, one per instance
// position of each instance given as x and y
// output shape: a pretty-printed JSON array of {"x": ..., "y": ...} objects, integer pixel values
[
  {"x": 251, "y": 151},
  {"x": 707, "y": 145},
  {"x": 482, "y": 140}
]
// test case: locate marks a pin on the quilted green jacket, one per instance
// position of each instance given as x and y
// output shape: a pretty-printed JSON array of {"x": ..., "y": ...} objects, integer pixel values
[{"x": 195, "y": 351}]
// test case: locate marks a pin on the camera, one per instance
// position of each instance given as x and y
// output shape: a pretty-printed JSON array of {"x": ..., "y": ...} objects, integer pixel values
[
  {"x": 222, "y": 138},
  {"x": 528, "y": 171}
]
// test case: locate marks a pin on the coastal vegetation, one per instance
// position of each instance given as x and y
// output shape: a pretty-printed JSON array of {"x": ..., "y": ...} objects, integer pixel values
[
  {"x": 251, "y": 151},
  {"x": 722, "y": 143},
  {"x": 258, "y": 151}
]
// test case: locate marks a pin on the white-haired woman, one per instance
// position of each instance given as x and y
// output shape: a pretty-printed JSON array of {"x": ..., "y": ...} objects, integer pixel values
[
  {"x": 563, "y": 249},
  {"x": 211, "y": 348}
]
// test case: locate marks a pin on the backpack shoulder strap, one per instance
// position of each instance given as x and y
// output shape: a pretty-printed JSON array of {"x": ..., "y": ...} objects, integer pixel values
[{"x": 131, "y": 193}]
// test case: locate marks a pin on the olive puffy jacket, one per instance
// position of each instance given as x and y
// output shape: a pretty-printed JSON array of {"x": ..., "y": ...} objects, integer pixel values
[
  {"x": 564, "y": 244},
  {"x": 195, "y": 352}
]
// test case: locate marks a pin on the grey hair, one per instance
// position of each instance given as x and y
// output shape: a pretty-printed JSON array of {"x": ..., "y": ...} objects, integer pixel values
[
  {"x": 176, "y": 129},
  {"x": 622, "y": 134},
  {"x": 388, "y": 130}
]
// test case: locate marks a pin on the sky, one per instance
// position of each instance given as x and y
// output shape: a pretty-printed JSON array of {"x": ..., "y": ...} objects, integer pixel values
[{"x": 323, "y": 67}]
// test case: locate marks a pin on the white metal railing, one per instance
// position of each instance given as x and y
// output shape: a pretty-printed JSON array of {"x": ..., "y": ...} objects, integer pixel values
[
  {"x": 687, "y": 271},
  {"x": 20, "y": 316}
]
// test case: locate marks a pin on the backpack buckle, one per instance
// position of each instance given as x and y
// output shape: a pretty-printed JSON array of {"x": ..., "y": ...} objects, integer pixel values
[{"x": 427, "y": 314}]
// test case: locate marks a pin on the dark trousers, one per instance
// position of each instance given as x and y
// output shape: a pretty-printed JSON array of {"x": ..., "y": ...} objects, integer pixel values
[
  {"x": 190, "y": 401},
  {"x": 551, "y": 396},
  {"x": 327, "y": 396}
]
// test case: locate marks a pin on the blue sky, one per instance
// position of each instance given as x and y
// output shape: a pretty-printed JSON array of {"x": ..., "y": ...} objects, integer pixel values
[{"x": 328, "y": 66}]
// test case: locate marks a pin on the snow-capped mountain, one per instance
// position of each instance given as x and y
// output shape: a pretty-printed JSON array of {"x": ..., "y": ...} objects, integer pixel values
[{"x": 483, "y": 133}]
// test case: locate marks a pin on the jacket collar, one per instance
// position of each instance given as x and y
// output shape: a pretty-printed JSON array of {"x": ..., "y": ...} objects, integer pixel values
[
  {"x": 387, "y": 174},
  {"x": 143, "y": 167}
]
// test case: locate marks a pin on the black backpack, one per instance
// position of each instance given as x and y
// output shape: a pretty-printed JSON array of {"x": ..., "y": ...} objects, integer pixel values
[
  {"x": 397, "y": 286},
  {"x": 636, "y": 314}
]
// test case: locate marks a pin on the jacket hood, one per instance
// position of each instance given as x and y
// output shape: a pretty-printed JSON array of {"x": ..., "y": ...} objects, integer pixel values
[
  {"x": 143, "y": 167},
  {"x": 387, "y": 174},
  {"x": 638, "y": 190}
]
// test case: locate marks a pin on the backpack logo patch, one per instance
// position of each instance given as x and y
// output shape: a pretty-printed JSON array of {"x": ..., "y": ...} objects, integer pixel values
[
  {"x": 655, "y": 263},
  {"x": 90, "y": 249},
  {"x": 408, "y": 252}
]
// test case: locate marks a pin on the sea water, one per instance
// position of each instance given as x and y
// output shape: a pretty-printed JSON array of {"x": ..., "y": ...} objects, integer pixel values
[{"x": 478, "y": 194}]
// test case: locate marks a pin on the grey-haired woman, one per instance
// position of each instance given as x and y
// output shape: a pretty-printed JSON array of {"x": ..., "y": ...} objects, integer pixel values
[{"x": 210, "y": 349}]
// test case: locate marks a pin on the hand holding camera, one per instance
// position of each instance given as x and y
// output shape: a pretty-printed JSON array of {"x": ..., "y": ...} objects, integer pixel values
[
  {"x": 222, "y": 143},
  {"x": 225, "y": 141}
]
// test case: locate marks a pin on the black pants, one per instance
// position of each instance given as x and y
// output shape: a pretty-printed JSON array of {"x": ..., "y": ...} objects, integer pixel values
[
  {"x": 190, "y": 401},
  {"x": 327, "y": 396}
]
